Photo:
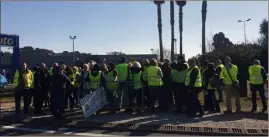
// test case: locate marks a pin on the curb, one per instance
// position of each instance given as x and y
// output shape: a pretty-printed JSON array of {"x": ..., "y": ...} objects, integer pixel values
[{"x": 174, "y": 129}]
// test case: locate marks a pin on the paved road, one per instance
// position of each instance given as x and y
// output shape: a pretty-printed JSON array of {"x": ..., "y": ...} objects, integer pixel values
[{"x": 75, "y": 132}]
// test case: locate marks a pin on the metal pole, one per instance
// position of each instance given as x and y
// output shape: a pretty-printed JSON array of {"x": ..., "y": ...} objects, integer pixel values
[
  {"x": 73, "y": 51},
  {"x": 245, "y": 32},
  {"x": 180, "y": 29}
]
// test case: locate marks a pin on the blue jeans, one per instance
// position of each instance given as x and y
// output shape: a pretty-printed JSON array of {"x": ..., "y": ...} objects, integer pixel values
[{"x": 213, "y": 104}]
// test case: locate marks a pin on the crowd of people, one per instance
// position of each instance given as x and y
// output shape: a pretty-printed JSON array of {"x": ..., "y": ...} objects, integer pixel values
[{"x": 136, "y": 85}]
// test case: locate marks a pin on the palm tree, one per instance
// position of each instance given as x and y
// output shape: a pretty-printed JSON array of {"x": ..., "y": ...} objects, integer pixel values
[
  {"x": 180, "y": 4},
  {"x": 204, "y": 11},
  {"x": 159, "y": 13},
  {"x": 172, "y": 21}
]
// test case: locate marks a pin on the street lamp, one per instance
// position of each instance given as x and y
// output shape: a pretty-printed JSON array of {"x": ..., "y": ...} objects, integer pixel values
[
  {"x": 152, "y": 50},
  {"x": 73, "y": 39},
  {"x": 245, "y": 29}
]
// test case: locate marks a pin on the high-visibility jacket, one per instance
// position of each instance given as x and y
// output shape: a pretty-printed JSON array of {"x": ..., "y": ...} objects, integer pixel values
[
  {"x": 76, "y": 82},
  {"x": 221, "y": 66},
  {"x": 145, "y": 73},
  {"x": 95, "y": 80},
  {"x": 72, "y": 78},
  {"x": 180, "y": 75},
  {"x": 111, "y": 83},
  {"x": 50, "y": 71},
  {"x": 233, "y": 72},
  {"x": 122, "y": 71},
  {"x": 208, "y": 85},
  {"x": 153, "y": 79},
  {"x": 198, "y": 81},
  {"x": 255, "y": 76},
  {"x": 28, "y": 77},
  {"x": 137, "y": 80}
]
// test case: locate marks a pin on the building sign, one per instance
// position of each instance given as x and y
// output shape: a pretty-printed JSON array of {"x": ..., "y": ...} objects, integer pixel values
[{"x": 8, "y": 40}]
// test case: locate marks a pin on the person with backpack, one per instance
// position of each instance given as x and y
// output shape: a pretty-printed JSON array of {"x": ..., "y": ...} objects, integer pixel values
[{"x": 210, "y": 84}]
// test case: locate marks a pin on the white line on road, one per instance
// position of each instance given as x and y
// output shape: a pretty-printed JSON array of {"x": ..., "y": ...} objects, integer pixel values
[{"x": 56, "y": 132}]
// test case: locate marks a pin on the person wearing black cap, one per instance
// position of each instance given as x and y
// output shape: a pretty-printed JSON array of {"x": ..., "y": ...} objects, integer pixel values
[
  {"x": 59, "y": 84},
  {"x": 123, "y": 76},
  {"x": 181, "y": 70}
]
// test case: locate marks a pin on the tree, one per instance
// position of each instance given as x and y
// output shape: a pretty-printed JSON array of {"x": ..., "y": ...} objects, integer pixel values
[
  {"x": 115, "y": 53},
  {"x": 263, "y": 40},
  {"x": 27, "y": 49},
  {"x": 172, "y": 21},
  {"x": 159, "y": 14},
  {"x": 221, "y": 43},
  {"x": 166, "y": 53},
  {"x": 181, "y": 4},
  {"x": 204, "y": 11}
]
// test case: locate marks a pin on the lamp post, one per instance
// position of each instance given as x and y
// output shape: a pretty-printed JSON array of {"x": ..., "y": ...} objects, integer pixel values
[
  {"x": 244, "y": 21},
  {"x": 152, "y": 50},
  {"x": 73, "y": 39}
]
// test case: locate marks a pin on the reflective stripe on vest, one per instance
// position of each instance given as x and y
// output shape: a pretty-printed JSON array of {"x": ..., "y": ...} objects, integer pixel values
[
  {"x": 122, "y": 71},
  {"x": 255, "y": 76},
  {"x": 110, "y": 83},
  {"x": 153, "y": 78},
  {"x": 198, "y": 81},
  {"x": 137, "y": 81},
  {"x": 95, "y": 80},
  {"x": 233, "y": 72}
]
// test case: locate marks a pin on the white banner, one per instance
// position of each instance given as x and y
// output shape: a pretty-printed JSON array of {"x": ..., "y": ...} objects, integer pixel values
[{"x": 93, "y": 102}]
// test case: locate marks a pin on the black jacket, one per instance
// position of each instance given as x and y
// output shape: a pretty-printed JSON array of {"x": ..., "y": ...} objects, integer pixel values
[{"x": 59, "y": 81}]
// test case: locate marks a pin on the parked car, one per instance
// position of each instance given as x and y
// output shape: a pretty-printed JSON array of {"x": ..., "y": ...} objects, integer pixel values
[{"x": 3, "y": 81}]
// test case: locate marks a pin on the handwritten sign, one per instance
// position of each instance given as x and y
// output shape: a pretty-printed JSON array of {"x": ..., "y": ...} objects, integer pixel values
[
  {"x": 8, "y": 40},
  {"x": 93, "y": 102}
]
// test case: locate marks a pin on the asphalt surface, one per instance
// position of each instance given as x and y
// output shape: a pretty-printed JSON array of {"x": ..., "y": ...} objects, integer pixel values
[{"x": 86, "y": 132}]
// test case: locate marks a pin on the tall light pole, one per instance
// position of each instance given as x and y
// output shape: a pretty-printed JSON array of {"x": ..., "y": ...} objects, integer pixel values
[
  {"x": 73, "y": 39},
  {"x": 175, "y": 44},
  {"x": 244, "y": 21}
]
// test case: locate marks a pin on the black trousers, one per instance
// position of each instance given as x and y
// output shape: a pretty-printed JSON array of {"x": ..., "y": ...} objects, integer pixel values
[
  {"x": 254, "y": 89},
  {"x": 181, "y": 95},
  {"x": 58, "y": 101},
  {"x": 194, "y": 104},
  {"x": 165, "y": 97},
  {"x": 137, "y": 94},
  {"x": 146, "y": 94},
  {"x": 153, "y": 96},
  {"x": 25, "y": 94},
  {"x": 213, "y": 104},
  {"x": 39, "y": 97}
]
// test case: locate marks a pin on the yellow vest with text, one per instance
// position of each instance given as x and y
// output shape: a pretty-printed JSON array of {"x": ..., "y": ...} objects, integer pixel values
[
  {"x": 255, "y": 76},
  {"x": 233, "y": 71},
  {"x": 198, "y": 81},
  {"x": 110, "y": 83},
  {"x": 28, "y": 77},
  {"x": 153, "y": 79},
  {"x": 95, "y": 81}
]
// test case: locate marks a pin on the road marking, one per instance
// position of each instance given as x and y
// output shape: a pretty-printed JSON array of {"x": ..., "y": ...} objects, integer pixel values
[{"x": 57, "y": 132}]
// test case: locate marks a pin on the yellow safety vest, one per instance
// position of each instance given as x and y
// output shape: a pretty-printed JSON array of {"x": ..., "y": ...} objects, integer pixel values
[
  {"x": 153, "y": 79},
  {"x": 110, "y": 83},
  {"x": 208, "y": 85},
  {"x": 76, "y": 82},
  {"x": 198, "y": 81},
  {"x": 233, "y": 71},
  {"x": 28, "y": 79},
  {"x": 71, "y": 76},
  {"x": 95, "y": 80},
  {"x": 180, "y": 75},
  {"x": 145, "y": 73},
  {"x": 122, "y": 71},
  {"x": 137, "y": 81},
  {"x": 255, "y": 76},
  {"x": 221, "y": 68}
]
